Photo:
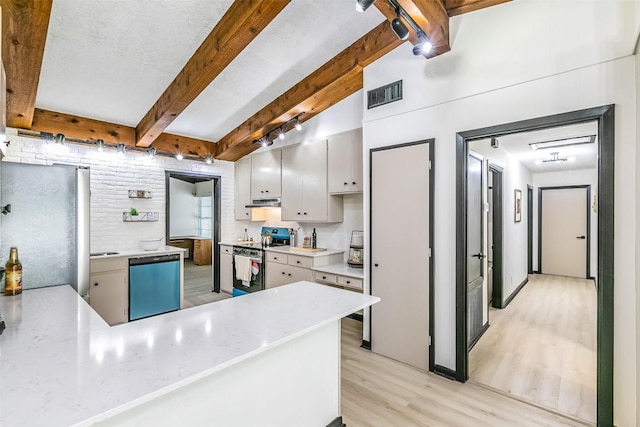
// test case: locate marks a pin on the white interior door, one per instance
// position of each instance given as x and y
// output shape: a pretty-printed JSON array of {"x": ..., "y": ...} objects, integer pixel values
[
  {"x": 564, "y": 231},
  {"x": 400, "y": 253}
]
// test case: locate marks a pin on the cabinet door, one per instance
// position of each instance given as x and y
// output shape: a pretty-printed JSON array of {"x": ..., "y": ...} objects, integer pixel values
[
  {"x": 266, "y": 175},
  {"x": 109, "y": 296},
  {"x": 339, "y": 158},
  {"x": 297, "y": 274},
  {"x": 293, "y": 169},
  {"x": 242, "y": 189},
  {"x": 314, "y": 181},
  {"x": 276, "y": 275},
  {"x": 226, "y": 272},
  {"x": 356, "y": 162}
]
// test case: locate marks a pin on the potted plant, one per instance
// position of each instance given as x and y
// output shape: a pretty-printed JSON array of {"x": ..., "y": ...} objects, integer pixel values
[{"x": 133, "y": 212}]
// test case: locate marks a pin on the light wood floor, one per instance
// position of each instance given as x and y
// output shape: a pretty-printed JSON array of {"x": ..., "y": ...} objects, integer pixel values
[
  {"x": 542, "y": 347},
  {"x": 380, "y": 392},
  {"x": 198, "y": 283}
]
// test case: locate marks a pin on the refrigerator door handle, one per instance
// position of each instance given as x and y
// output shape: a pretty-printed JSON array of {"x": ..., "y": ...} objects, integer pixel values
[{"x": 83, "y": 195}]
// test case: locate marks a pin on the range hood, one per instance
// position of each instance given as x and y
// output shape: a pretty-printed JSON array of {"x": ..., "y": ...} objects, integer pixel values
[{"x": 264, "y": 203}]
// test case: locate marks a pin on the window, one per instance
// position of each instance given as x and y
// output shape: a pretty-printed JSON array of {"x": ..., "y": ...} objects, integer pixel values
[{"x": 204, "y": 216}]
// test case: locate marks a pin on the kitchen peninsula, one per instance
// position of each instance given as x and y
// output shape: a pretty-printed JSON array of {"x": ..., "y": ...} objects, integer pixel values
[{"x": 62, "y": 365}]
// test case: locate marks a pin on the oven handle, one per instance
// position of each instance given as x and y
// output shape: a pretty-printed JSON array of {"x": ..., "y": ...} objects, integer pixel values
[{"x": 258, "y": 260}]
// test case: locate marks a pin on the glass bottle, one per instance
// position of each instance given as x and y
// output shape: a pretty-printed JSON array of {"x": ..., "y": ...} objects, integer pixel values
[
  {"x": 314, "y": 239},
  {"x": 13, "y": 274}
]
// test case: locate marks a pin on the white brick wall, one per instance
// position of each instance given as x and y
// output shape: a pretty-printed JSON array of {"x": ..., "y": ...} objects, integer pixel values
[{"x": 112, "y": 176}]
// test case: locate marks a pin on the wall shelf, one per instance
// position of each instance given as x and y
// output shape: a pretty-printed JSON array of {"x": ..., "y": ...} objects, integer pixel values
[
  {"x": 139, "y": 194},
  {"x": 141, "y": 217}
]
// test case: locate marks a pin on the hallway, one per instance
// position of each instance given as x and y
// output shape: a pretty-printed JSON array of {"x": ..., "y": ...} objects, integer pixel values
[{"x": 542, "y": 347}]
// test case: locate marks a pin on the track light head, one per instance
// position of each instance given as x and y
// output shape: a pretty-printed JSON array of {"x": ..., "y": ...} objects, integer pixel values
[
  {"x": 100, "y": 145},
  {"x": 179, "y": 156},
  {"x": 363, "y": 5},
  {"x": 399, "y": 28},
  {"x": 423, "y": 47},
  {"x": 60, "y": 139},
  {"x": 121, "y": 149},
  {"x": 281, "y": 134},
  {"x": 298, "y": 125},
  {"x": 208, "y": 159},
  {"x": 151, "y": 152}
]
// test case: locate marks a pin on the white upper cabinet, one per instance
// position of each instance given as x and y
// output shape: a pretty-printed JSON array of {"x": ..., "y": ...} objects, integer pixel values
[
  {"x": 345, "y": 162},
  {"x": 305, "y": 194},
  {"x": 242, "y": 192},
  {"x": 266, "y": 175}
]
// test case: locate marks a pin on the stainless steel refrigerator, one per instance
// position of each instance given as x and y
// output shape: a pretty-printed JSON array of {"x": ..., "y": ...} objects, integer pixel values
[{"x": 46, "y": 216}]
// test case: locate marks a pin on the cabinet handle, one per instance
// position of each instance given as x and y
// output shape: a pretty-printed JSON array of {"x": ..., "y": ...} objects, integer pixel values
[
  {"x": 297, "y": 262},
  {"x": 266, "y": 191},
  {"x": 324, "y": 277},
  {"x": 262, "y": 191},
  {"x": 346, "y": 183},
  {"x": 348, "y": 282},
  {"x": 284, "y": 273},
  {"x": 298, "y": 213},
  {"x": 246, "y": 213},
  {"x": 95, "y": 284},
  {"x": 375, "y": 265},
  {"x": 305, "y": 213},
  {"x": 275, "y": 257},
  {"x": 353, "y": 183},
  {"x": 289, "y": 274}
]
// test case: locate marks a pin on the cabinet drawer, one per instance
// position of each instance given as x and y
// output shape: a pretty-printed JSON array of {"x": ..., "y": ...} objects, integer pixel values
[
  {"x": 301, "y": 261},
  {"x": 100, "y": 265},
  {"x": 350, "y": 282},
  {"x": 325, "y": 277},
  {"x": 277, "y": 257},
  {"x": 226, "y": 249}
]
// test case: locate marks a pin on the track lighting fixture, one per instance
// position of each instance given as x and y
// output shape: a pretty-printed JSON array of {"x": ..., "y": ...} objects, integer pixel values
[
  {"x": 398, "y": 27},
  {"x": 151, "y": 152},
  {"x": 298, "y": 125},
  {"x": 363, "y": 5},
  {"x": 179, "y": 156},
  {"x": 60, "y": 139},
  {"x": 281, "y": 134},
  {"x": 208, "y": 159},
  {"x": 121, "y": 149},
  {"x": 100, "y": 145}
]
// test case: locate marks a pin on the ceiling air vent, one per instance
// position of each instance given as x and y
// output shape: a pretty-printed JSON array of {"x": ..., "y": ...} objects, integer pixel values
[{"x": 384, "y": 94}]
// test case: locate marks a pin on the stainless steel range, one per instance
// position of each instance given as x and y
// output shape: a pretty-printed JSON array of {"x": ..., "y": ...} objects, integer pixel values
[{"x": 249, "y": 261}]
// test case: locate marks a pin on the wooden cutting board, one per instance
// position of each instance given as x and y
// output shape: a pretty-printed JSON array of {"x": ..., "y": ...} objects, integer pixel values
[{"x": 300, "y": 249}]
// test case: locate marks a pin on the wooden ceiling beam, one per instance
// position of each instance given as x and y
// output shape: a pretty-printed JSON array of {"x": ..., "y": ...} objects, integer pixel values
[
  {"x": 238, "y": 27},
  {"x": 24, "y": 33},
  {"x": 89, "y": 129},
  {"x": 458, "y": 7},
  {"x": 322, "y": 87}
]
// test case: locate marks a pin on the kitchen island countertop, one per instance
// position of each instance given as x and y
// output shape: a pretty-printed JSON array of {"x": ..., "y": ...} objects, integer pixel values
[
  {"x": 341, "y": 269},
  {"x": 62, "y": 365},
  {"x": 132, "y": 253}
]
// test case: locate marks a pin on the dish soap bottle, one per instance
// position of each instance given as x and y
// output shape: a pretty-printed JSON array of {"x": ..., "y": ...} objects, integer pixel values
[
  {"x": 13, "y": 272},
  {"x": 314, "y": 239}
]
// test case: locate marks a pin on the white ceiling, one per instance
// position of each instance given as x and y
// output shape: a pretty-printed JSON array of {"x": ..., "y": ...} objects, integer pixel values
[
  {"x": 586, "y": 155},
  {"x": 111, "y": 59}
]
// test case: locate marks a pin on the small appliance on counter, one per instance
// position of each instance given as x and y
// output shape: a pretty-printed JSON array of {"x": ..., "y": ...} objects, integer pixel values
[{"x": 356, "y": 249}]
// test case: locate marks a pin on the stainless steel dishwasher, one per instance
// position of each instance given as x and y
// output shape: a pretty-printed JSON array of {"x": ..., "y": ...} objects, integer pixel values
[{"x": 154, "y": 285}]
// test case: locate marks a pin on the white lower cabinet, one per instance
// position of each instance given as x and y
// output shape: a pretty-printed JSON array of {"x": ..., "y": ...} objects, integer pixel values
[
  {"x": 109, "y": 289},
  {"x": 226, "y": 269},
  {"x": 283, "y": 268},
  {"x": 346, "y": 282}
]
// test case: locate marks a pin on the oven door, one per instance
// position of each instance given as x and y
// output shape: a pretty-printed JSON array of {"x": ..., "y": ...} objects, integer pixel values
[{"x": 257, "y": 278}]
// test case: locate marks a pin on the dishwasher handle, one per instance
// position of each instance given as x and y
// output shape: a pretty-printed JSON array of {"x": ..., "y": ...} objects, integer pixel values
[{"x": 154, "y": 259}]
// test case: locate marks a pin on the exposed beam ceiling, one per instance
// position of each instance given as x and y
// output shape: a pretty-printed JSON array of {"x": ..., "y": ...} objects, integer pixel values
[
  {"x": 238, "y": 27},
  {"x": 320, "y": 88},
  {"x": 89, "y": 129},
  {"x": 24, "y": 32},
  {"x": 458, "y": 7}
]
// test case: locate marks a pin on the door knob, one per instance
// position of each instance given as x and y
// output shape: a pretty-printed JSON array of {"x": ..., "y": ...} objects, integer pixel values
[
  {"x": 581, "y": 237},
  {"x": 479, "y": 256}
]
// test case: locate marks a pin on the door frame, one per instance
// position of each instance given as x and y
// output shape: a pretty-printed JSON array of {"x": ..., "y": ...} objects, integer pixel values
[
  {"x": 215, "y": 232},
  {"x": 498, "y": 227},
  {"x": 431, "y": 165},
  {"x": 587, "y": 209},
  {"x": 605, "y": 117},
  {"x": 530, "y": 230}
]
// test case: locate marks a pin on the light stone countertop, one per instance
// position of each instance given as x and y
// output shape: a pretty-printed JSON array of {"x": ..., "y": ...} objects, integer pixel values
[
  {"x": 287, "y": 250},
  {"x": 132, "y": 253},
  {"x": 62, "y": 365},
  {"x": 341, "y": 269}
]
